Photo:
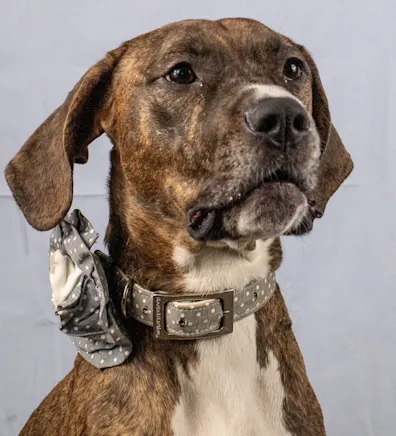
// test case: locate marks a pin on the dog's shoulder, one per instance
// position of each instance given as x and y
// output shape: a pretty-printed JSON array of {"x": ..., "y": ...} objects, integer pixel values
[{"x": 131, "y": 399}]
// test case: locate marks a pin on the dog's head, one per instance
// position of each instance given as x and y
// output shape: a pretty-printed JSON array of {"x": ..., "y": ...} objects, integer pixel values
[{"x": 221, "y": 131}]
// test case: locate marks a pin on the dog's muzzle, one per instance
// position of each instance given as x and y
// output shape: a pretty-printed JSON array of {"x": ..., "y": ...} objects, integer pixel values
[{"x": 271, "y": 194}]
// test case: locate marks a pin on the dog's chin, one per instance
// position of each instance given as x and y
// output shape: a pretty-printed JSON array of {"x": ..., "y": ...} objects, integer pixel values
[{"x": 270, "y": 210}]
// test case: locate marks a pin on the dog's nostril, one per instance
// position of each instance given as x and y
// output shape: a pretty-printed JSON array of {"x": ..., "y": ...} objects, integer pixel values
[
  {"x": 269, "y": 123},
  {"x": 300, "y": 123}
]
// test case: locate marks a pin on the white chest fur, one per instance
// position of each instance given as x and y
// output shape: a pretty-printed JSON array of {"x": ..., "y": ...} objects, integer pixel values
[{"x": 226, "y": 393}]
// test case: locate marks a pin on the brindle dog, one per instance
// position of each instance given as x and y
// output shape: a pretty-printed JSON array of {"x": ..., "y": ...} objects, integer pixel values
[{"x": 222, "y": 142}]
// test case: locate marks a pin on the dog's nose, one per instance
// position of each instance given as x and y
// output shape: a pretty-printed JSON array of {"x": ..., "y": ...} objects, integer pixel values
[{"x": 283, "y": 121}]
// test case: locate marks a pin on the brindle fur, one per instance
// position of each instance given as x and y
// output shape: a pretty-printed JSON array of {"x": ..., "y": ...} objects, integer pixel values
[{"x": 167, "y": 144}]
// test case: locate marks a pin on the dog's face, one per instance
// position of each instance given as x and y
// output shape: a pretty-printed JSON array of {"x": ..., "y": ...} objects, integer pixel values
[
  {"x": 219, "y": 130},
  {"x": 223, "y": 110}
]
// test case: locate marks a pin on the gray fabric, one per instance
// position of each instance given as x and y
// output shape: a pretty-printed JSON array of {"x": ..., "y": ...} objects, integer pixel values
[
  {"x": 191, "y": 319},
  {"x": 88, "y": 315}
]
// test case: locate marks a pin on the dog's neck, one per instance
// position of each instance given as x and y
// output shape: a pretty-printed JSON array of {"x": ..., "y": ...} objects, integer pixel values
[
  {"x": 214, "y": 269},
  {"x": 182, "y": 268}
]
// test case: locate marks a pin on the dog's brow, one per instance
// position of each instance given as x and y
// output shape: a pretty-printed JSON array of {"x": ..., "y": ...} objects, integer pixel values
[
  {"x": 271, "y": 45},
  {"x": 190, "y": 48},
  {"x": 274, "y": 44},
  {"x": 192, "y": 44}
]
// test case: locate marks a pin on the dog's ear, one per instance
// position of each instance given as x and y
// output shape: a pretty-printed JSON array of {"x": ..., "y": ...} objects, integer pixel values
[
  {"x": 336, "y": 163},
  {"x": 40, "y": 176}
]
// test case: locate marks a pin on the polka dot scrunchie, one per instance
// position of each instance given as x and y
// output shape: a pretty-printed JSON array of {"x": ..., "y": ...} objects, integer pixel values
[{"x": 81, "y": 296}]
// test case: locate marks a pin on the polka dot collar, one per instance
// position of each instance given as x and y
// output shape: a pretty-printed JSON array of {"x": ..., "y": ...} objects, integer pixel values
[{"x": 192, "y": 316}]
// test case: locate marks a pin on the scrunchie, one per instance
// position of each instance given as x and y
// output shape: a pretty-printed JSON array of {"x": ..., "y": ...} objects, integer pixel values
[{"x": 81, "y": 296}]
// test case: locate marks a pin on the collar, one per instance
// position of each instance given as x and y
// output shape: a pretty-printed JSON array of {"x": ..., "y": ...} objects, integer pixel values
[{"x": 193, "y": 316}]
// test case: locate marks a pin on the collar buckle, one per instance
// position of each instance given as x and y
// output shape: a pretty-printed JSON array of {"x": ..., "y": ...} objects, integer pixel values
[{"x": 160, "y": 301}]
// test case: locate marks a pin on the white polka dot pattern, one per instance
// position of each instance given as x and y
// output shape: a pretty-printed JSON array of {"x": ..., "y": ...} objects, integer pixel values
[
  {"x": 88, "y": 315},
  {"x": 191, "y": 319}
]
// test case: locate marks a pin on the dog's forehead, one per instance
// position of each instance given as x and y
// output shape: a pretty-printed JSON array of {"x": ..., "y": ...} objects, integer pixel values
[{"x": 204, "y": 37}]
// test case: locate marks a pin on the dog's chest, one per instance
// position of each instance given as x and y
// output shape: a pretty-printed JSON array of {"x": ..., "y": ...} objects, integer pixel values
[{"x": 227, "y": 393}]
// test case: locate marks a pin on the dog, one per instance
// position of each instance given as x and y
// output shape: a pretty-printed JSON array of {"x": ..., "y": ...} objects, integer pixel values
[{"x": 222, "y": 143}]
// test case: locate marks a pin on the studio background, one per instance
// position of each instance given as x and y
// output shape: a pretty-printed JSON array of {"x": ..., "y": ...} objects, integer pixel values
[{"x": 336, "y": 281}]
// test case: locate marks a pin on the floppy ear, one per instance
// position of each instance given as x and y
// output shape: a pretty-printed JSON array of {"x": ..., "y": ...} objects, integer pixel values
[
  {"x": 40, "y": 176},
  {"x": 336, "y": 163}
]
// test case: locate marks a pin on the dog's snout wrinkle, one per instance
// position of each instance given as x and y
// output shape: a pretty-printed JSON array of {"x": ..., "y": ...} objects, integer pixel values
[{"x": 281, "y": 120}]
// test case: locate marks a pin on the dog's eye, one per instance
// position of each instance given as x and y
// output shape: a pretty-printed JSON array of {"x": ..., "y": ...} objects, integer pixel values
[
  {"x": 182, "y": 74},
  {"x": 293, "y": 69}
]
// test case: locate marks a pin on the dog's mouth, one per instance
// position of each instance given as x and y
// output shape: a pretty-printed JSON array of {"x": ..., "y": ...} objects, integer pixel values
[
  {"x": 278, "y": 204},
  {"x": 281, "y": 176}
]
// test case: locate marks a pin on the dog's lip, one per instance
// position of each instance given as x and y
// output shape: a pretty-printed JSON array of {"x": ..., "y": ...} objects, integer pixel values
[
  {"x": 209, "y": 223},
  {"x": 201, "y": 222},
  {"x": 276, "y": 177},
  {"x": 282, "y": 177}
]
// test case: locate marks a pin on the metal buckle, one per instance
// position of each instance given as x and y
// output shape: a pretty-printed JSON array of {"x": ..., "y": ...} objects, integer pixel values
[
  {"x": 159, "y": 313},
  {"x": 125, "y": 299}
]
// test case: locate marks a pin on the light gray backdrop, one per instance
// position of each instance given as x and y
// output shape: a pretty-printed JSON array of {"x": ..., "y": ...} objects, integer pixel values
[{"x": 337, "y": 281}]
